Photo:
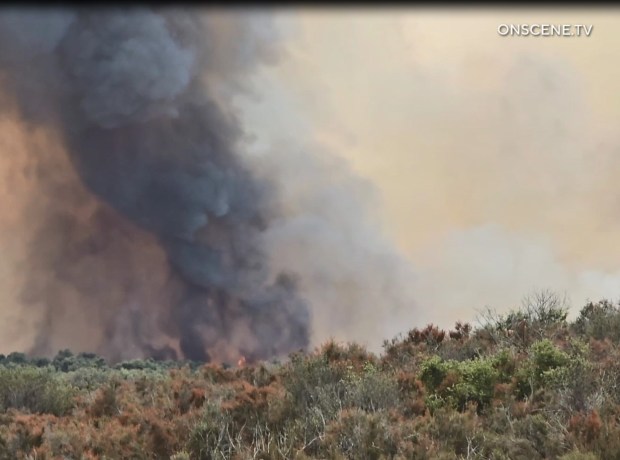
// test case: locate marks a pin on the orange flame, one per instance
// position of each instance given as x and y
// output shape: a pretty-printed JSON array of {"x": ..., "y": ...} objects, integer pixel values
[{"x": 241, "y": 362}]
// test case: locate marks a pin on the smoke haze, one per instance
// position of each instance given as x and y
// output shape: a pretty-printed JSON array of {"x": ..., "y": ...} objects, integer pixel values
[
  {"x": 140, "y": 228},
  {"x": 494, "y": 158},
  {"x": 210, "y": 184}
]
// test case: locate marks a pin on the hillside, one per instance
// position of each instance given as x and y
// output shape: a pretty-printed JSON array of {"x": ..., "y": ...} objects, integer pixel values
[{"x": 528, "y": 384}]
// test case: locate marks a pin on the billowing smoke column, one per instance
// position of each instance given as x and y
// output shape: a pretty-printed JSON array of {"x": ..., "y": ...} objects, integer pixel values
[{"x": 148, "y": 224}]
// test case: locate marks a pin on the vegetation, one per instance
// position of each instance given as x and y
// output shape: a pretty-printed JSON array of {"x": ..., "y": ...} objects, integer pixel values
[{"x": 525, "y": 385}]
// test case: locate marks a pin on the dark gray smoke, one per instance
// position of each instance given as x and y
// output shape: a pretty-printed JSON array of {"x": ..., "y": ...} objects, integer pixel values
[{"x": 146, "y": 222}]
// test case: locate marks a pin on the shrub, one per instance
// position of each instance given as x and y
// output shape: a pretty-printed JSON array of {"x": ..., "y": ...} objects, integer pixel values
[
  {"x": 599, "y": 320},
  {"x": 37, "y": 390},
  {"x": 454, "y": 431},
  {"x": 88, "y": 379},
  {"x": 66, "y": 361},
  {"x": 16, "y": 358},
  {"x": 466, "y": 394},
  {"x": 542, "y": 313},
  {"x": 312, "y": 382},
  {"x": 106, "y": 401},
  {"x": 460, "y": 382},
  {"x": 433, "y": 371},
  {"x": 576, "y": 384},
  {"x": 578, "y": 455},
  {"x": 535, "y": 374},
  {"x": 371, "y": 391},
  {"x": 215, "y": 435},
  {"x": 478, "y": 383},
  {"x": 546, "y": 438},
  {"x": 356, "y": 435},
  {"x": 545, "y": 356},
  {"x": 431, "y": 335},
  {"x": 139, "y": 364}
]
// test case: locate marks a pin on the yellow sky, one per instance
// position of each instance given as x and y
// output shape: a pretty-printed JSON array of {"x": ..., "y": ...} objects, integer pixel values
[{"x": 479, "y": 145}]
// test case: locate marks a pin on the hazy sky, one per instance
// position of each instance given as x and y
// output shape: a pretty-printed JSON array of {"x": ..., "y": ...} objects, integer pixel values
[
  {"x": 494, "y": 160},
  {"x": 495, "y": 157}
]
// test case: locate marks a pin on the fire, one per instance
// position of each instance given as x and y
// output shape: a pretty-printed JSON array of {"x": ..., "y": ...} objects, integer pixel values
[{"x": 241, "y": 362}]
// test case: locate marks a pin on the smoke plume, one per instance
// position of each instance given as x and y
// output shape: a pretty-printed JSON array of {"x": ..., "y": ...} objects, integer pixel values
[
  {"x": 137, "y": 226},
  {"x": 147, "y": 223}
]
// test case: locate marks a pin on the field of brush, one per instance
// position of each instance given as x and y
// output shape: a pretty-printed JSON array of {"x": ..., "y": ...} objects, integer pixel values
[{"x": 525, "y": 385}]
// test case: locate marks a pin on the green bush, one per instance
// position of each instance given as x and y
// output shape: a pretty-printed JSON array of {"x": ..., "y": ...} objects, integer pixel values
[
  {"x": 540, "y": 369},
  {"x": 89, "y": 378},
  {"x": 37, "y": 390},
  {"x": 433, "y": 371},
  {"x": 139, "y": 364},
  {"x": 575, "y": 384},
  {"x": 545, "y": 356},
  {"x": 460, "y": 382},
  {"x": 66, "y": 361},
  {"x": 478, "y": 382},
  {"x": 371, "y": 390},
  {"x": 599, "y": 320},
  {"x": 16, "y": 358}
]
